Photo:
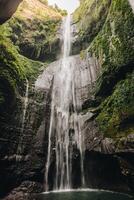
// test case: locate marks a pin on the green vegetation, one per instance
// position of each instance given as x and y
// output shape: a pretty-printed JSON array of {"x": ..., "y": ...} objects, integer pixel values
[
  {"x": 33, "y": 30},
  {"x": 113, "y": 46},
  {"x": 14, "y": 69},
  {"x": 90, "y": 17},
  {"x": 107, "y": 28},
  {"x": 36, "y": 39},
  {"x": 28, "y": 36},
  {"x": 114, "y": 50},
  {"x": 104, "y": 26},
  {"x": 117, "y": 111},
  {"x": 59, "y": 10}
]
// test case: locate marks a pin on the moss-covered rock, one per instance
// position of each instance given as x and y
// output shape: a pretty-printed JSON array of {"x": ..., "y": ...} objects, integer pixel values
[
  {"x": 36, "y": 40},
  {"x": 114, "y": 46},
  {"x": 30, "y": 35},
  {"x": 33, "y": 30},
  {"x": 114, "y": 49},
  {"x": 14, "y": 69},
  {"x": 34, "y": 25},
  {"x": 89, "y": 19},
  {"x": 117, "y": 111}
]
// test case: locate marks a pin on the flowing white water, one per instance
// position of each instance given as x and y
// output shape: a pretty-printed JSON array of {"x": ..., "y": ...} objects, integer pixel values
[
  {"x": 23, "y": 117},
  {"x": 25, "y": 106},
  {"x": 64, "y": 105}
]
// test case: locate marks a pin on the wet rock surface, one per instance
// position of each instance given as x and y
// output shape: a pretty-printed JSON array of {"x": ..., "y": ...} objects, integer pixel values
[
  {"x": 24, "y": 158},
  {"x": 104, "y": 171},
  {"x": 108, "y": 161},
  {"x": 100, "y": 152},
  {"x": 24, "y": 191}
]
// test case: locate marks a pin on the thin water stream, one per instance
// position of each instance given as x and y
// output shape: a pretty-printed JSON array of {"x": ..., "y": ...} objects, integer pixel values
[{"x": 25, "y": 105}]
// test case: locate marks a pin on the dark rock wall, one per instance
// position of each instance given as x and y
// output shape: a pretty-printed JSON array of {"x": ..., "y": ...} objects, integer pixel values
[
  {"x": 111, "y": 129},
  {"x": 107, "y": 106},
  {"x": 7, "y": 9},
  {"x": 22, "y": 155}
]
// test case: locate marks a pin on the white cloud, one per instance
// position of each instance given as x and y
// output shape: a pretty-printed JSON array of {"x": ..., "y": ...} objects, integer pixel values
[{"x": 69, "y": 5}]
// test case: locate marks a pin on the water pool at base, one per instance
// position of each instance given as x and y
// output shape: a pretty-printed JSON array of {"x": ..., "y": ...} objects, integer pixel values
[{"x": 83, "y": 195}]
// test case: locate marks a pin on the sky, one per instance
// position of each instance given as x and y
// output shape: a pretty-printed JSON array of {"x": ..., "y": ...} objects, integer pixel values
[
  {"x": 69, "y": 5},
  {"x": 132, "y": 3}
]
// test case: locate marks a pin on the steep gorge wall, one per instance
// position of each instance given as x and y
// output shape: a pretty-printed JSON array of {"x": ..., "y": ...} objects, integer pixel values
[
  {"x": 113, "y": 49},
  {"x": 21, "y": 63},
  {"x": 108, "y": 37},
  {"x": 111, "y": 45},
  {"x": 89, "y": 19}
]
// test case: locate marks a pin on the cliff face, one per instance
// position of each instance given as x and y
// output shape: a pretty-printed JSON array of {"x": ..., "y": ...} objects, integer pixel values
[
  {"x": 104, "y": 36},
  {"x": 7, "y": 9},
  {"x": 106, "y": 28},
  {"x": 29, "y": 37},
  {"x": 89, "y": 19},
  {"x": 113, "y": 49},
  {"x": 33, "y": 30},
  {"x": 31, "y": 33}
]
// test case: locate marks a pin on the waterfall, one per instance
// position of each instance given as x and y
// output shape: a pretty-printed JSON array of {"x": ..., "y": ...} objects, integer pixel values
[
  {"x": 64, "y": 114},
  {"x": 70, "y": 80},
  {"x": 23, "y": 117},
  {"x": 25, "y": 106}
]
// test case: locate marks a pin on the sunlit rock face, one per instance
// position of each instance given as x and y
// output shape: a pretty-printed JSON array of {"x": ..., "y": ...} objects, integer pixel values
[{"x": 7, "y": 9}]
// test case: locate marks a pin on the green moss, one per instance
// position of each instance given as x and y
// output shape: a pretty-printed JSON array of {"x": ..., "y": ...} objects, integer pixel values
[
  {"x": 10, "y": 63},
  {"x": 34, "y": 36},
  {"x": 90, "y": 17},
  {"x": 107, "y": 28},
  {"x": 33, "y": 30},
  {"x": 22, "y": 38},
  {"x": 14, "y": 69},
  {"x": 114, "y": 45},
  {"x": 117, "y": 111},
  {"x": 34, "y": 39}
]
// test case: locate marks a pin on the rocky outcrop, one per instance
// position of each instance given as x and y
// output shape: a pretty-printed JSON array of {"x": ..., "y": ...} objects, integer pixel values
[
  {"x": 35, "y": 33},
  {"x": 24, "y": 190},
  {"x": 107, "y": 171},
  {"x": 101, "y": 153},
  {"x": 109, "y": 129},
  {"x": 7, "y": 9},
  {"x": 88, "y": 20},
  {"x": 22, "y": 155},
  {"x": 113, "y": 49}
]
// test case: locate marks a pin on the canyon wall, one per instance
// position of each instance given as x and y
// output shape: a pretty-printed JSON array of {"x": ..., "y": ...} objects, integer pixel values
[{"x": 103, "y": 35}]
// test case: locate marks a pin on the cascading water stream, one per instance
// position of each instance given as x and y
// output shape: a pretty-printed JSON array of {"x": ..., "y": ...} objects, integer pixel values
[
  {"x": 25, "y": 106},
  {"x": 64, "y": 109},
  {"x": 23, "y": 117}
]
